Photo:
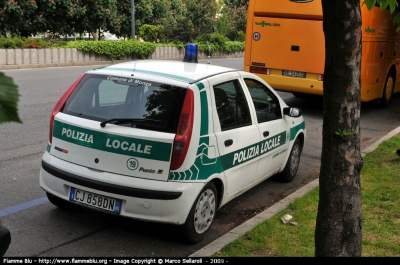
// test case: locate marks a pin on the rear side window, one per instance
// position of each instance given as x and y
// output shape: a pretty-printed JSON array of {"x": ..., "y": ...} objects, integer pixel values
[
  {"x": 152, "y": 105},
  {"x": 231, "y": 104}
]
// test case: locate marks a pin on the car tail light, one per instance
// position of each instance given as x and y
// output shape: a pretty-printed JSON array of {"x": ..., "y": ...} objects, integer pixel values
[
  {"x": 184, "y": 133},
  {"x": 60, "y": 103},
  {"x": 320, "y": 77},
  {"x": 260, "y": 70}
]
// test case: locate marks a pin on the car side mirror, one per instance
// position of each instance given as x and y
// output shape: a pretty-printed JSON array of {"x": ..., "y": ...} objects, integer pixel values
[{"x": 292, "y": 112}]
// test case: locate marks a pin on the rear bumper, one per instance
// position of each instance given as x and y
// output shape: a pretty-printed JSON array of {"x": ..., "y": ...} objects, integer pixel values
[
  {"x": 294, "y": 85},
  {"x": 308, "y": 85},
  {"x": 143, "y": 199},
  {"x": 110, "y": 188},
  {"x": 5, "y": 240}
]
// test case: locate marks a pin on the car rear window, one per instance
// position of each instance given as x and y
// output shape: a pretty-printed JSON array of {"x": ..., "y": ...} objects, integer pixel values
[{"x": 152, "y": 106}]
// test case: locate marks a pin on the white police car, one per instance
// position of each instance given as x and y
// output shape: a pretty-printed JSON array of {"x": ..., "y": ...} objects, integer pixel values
[{"x": 168, "y": 141}]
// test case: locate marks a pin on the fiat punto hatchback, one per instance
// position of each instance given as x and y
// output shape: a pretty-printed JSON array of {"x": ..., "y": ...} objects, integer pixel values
[{"x": 168, "y": 141}]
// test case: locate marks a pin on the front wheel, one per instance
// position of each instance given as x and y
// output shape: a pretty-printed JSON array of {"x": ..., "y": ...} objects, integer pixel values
[
  {"x": 292, "y": 164},
  {"x": 201, "y": 215}
]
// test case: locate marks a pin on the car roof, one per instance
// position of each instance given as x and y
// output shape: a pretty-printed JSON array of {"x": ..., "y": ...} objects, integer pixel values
[{"x": 182, "y": 71}]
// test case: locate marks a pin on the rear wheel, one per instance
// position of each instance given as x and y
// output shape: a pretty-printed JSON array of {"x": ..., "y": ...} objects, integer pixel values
[
  {"x": 202, "y": 215},
  {"x": 387, "y": 90},
  {"x": 63, "y": 204},
  {"x": 292, "y": 164}
]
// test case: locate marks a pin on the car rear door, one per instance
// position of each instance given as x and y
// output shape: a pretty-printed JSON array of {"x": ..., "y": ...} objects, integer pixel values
[{"x": 237, "y": 135}]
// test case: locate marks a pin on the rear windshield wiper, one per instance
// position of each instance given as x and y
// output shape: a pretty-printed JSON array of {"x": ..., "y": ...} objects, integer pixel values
[{"x": 124, "y": 120}]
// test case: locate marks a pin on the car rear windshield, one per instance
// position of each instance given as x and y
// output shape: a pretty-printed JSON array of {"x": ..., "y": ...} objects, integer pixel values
[{"x": 147, "y": 104}]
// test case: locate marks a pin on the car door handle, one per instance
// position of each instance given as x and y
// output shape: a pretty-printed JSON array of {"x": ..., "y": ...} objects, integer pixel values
[
  {"x": 266, "y": 133},
  {"x": 228, "y": 142}
]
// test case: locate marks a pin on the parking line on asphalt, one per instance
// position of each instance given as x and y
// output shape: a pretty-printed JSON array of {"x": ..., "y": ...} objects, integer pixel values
[{"x": 23, "y": 206}]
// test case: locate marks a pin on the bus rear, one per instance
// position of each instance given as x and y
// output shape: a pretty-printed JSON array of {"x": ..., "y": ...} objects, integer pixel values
[{"x": 285, "y": 44}]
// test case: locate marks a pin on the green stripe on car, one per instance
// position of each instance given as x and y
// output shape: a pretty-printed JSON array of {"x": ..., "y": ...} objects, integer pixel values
[
  {"x": 295, "y": 129},
  {"x": 112, "y": 143}
]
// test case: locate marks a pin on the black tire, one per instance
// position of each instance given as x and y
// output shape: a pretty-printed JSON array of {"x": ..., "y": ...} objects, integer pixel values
[
  {"x": 387, "y": 90},
  {"x": 292, "y": 164},
  {"x": 202, "y": 215},
  {"x": 63, "y": 204}
]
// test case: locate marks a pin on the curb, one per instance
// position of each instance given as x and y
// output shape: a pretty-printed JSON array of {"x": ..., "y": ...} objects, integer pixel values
[{"x": 250, "y": 224}]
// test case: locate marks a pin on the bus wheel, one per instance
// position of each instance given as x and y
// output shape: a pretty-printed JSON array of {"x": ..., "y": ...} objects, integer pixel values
[
  {"x": 202, "y": 215},
  {"x": 387, "y": 91}
]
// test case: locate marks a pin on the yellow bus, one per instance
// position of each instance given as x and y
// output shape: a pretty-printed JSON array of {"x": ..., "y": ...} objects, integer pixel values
[{"x": 285, "y": 46}]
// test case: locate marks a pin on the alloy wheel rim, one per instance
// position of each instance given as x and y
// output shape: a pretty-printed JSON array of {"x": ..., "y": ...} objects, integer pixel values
[
  {"x": 205, "y": 211},
  {"x": 295, "y": 160}
]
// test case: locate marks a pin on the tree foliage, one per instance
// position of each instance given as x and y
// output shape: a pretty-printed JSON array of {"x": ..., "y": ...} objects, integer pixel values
[
  {"x": 9, "y": 98},
  {"x": 236, "y": 3},
  {"x": 15, "y": 16},
  {"x": 66, "y": 17},
  {"x": 26, "y": 17},
  {"x": 232, "y": 20},
  {"x": 202, "y": 13},
  {"x": 152, "y": 33},
  {"x": 151, "y": 12},
  {"x": 392, "y": 5},
  {"x": 95, "y": 15}
]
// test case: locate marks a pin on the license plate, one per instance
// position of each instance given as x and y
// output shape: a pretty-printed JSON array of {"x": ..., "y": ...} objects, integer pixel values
[
  {"x": 95, "y": 200},
  {"x": 294, "y": 73}
]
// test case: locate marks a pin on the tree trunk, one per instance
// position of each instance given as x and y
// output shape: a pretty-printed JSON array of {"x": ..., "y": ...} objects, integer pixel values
[
  {"x": 95, "y": 36},
  {"x": 338, "y": 229}
]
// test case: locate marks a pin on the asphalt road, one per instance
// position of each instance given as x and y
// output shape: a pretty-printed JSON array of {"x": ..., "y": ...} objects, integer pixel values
[{"x": 40, "y": 229}]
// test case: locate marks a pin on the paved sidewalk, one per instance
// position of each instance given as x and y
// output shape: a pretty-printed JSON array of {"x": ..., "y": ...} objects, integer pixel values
[{"x": 250, "y": 224}]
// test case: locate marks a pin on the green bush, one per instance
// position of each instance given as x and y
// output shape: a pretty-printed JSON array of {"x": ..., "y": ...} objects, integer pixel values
[
  {"x": 204, "y": 38},
  {"x": 11, "y": 43},
  {"x": 152, "y": 33},
  {"x": 218, "y": 39},
  {"x": 21, "y": 43},
  {"x": 241, "y": 36},
  {"x": 58, "y": 43},
  {"x": 210, "y": 43},
  {"x": 116, "y": 50},
  {"x": 233, "y": 46},
  {"x": 228, "y": 46}
]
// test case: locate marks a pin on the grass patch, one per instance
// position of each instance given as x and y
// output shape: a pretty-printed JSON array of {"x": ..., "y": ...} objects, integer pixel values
[{"x": 380, "y": 185}]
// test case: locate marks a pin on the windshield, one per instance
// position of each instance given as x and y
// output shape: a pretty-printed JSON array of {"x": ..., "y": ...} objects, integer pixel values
[{"x": 102, "y": 98}]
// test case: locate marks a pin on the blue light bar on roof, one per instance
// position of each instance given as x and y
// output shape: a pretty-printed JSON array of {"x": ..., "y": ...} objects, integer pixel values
[{"x": 190, "y": 53}]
